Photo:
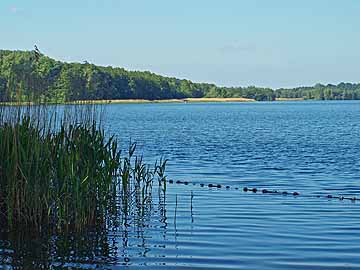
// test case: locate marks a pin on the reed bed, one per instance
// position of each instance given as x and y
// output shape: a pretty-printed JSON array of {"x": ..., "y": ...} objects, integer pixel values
[{"x": 59, "y": 171}]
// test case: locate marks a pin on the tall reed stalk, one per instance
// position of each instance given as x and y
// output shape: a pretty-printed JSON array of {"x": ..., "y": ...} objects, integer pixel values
[{"x": 58, "y": 169}]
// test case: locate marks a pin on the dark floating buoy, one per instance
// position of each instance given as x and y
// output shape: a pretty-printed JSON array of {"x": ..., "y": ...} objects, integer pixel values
[
  {"x": 126, "y": 259},
  {"x": 264, "y": 191}
]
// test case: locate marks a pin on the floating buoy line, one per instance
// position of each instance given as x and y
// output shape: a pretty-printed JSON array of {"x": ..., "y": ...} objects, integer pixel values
[{"x": 266, "y": 191}]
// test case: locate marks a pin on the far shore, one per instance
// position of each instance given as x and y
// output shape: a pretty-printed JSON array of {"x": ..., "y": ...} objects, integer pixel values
[
  {"x": 184, "y": 100},
  {"x": 289, "y": 99},
  {"x": 143, "y": 101},
  {"x": 137, "y": 101}
]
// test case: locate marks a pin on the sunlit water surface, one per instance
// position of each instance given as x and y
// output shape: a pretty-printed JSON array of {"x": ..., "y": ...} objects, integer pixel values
[{"x": 309, "y": 147}]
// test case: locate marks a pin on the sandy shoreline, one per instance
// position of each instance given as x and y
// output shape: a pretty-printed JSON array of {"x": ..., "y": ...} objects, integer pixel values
[
  {"x": 185, "y": 100},
  {"x": 289, "y": 99},
  {"x": 143, "y": 101}
]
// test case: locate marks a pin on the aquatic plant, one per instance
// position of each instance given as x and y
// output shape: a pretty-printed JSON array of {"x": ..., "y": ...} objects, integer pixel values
[{"x": 59, "y": 170}]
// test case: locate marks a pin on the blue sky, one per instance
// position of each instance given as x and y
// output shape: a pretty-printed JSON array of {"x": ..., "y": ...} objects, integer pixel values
[{"x": 275, "y": 43}]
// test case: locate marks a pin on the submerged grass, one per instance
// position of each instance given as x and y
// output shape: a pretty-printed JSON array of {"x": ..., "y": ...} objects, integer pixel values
[{"x": 60, "y": 171}]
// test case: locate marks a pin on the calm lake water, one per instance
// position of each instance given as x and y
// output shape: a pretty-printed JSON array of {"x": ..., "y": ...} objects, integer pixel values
[{"x": 309, "y": 147}]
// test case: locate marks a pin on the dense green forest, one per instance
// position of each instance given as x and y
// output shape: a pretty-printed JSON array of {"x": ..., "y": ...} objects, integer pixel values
[{"x": 25, "y": 75}]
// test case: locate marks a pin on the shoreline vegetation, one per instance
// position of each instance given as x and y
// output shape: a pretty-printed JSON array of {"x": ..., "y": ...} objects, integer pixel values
[
  {"x": 59, "y": 171},
  {"x": 30, "y": 75}
]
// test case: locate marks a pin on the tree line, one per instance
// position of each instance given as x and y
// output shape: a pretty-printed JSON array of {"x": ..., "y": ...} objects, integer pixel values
[{"x": 25, "y": 76}]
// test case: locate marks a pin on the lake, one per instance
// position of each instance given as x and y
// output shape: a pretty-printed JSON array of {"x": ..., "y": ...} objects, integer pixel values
[{"x": 308, "y": 147}]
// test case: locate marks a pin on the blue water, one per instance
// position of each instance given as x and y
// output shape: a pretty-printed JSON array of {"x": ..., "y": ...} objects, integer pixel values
[{"x": 309, "y": 147}]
